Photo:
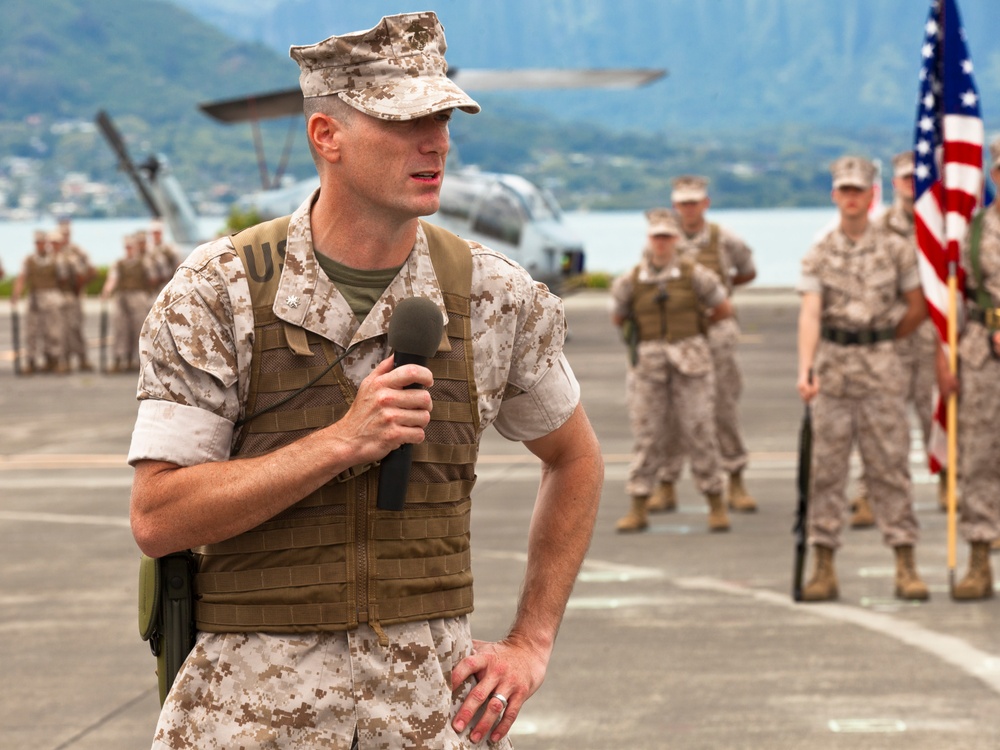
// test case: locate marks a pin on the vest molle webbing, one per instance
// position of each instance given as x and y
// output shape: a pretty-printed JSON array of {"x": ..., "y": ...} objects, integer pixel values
[
  {"x": 333, "y": 560},
  {"x": 667, "y": 310}
]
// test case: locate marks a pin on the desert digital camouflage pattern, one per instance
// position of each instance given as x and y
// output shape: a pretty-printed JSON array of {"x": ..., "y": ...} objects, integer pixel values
[
  {"x": 862, "y": 388},
  {"x": 979, "y": 403},
  {"x": 394, "y": 71},
  {"x": 853, "y": 171},
  {"x": 918, "y": 350},
  {"x": 256, "y": 690},
  {"x": 671, "y": 383}
]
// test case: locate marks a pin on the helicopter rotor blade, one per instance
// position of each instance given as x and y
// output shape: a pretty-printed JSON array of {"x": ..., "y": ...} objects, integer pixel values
[
  {"x": 125, "y": 163},
  {"x": 552, "y": 78},
  {"x": 287, "y": 102}
]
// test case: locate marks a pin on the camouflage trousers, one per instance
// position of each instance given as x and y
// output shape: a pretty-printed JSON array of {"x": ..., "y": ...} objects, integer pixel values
[
  {"x": 723, "y": 338},
  {"x": 878, "y": 424},
  {"x": 979, "y": 451},
  {"x": 130, "y": 311},
  {"x": 665, "y": 403},
  {"x": 917, "y": 354},
  {"x": 45, "y": 329},
  {"x": 76, "y": 345},
  {"x": 313, "y": 690}
]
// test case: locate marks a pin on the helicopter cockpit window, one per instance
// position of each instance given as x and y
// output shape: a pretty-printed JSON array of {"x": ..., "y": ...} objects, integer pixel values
[{"x": 500, "y": 215}]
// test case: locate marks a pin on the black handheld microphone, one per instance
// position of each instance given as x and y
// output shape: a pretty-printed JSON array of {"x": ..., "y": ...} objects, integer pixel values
[{"x": 414, "y": 335}]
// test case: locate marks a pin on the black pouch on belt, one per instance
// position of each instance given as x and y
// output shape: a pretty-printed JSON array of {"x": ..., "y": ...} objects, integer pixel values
[{"x": 166, "y": 612}]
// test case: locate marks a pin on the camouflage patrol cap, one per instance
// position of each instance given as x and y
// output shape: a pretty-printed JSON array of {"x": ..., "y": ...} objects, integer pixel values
[
  {"x": 995, "y": 153},
  {"x": 689, "y": 188},
  {"x": 394, "y": 71},
  {"x": 902, "y": 164},
  {"x": 41, "y": 235},
  {"x": 662, "y": 221},
  {"x": 852, "y": 171}
]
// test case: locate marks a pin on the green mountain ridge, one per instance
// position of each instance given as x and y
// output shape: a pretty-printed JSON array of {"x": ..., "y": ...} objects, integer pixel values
[{"x": 150, "y": 62}]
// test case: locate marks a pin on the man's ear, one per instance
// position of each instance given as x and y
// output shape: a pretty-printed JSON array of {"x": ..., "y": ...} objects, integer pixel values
[{"x": 325, "y": 134}]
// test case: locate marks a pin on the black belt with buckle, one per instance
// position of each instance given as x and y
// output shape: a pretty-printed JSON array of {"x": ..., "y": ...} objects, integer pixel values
[
  {"x": 843, "y": 337},
  {"x": 989, "y": 318}
]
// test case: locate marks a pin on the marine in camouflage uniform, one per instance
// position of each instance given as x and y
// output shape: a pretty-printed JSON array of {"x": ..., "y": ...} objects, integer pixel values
[
  {"x": 82, "y": 272},
  {"x": 44, "y": 276},
  {"x": 666, "y": 302},
  {"x": 349, "y": 254},
  {"x": 918, "y": 351},
  {"x": 727, "y": 255},
  {"x": 860, "y": 292},
  {"x": 163, "y": 254},
  {"x": 131, "y": 282},
  {"x": 979, "y": 397}
]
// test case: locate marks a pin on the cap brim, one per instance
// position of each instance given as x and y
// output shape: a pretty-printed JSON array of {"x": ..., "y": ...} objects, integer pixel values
[
  {"x": 685, "y": 196},
  {"x": 410, "y": 98},
  {"x": 851, "y": 182}
]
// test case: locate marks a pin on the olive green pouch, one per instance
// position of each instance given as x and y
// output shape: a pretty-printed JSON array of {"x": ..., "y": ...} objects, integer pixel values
[{"x": 166, "y": 612}]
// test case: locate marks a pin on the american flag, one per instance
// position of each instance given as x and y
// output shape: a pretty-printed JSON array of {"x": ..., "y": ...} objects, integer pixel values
[{"x": 948, "y": 171}]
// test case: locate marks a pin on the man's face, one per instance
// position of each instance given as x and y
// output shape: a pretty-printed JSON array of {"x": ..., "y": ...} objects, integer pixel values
[
  {"x": 691, "y": 213},
  {"x": 853, "y": 201},
  {"x": 903, "y": 187},
  {"x": 661, "y": 249},
  {"x": 395, "y": 168}
]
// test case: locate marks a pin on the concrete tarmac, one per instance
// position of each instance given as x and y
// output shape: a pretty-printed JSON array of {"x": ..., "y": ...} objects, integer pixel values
[{"x": 674, "y": 638}]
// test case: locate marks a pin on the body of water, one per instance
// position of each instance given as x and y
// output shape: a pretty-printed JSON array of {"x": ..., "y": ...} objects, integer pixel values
[{"x": 613, "y": 240}]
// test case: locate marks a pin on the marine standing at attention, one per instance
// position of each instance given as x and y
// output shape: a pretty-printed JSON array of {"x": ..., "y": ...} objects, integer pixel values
[
  {"x": 979, "y": 395},
  {"x": 859, "y": 294},
  {"x": 918, "y": 351},
  {"x": 268, "y": 397},
  {"x": 731, "y": 259},
  {"x": 44, "y": 276},
  {"x": 670, "y": 302}
]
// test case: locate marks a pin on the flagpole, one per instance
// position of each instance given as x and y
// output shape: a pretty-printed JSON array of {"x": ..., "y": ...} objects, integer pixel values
[{"x": 952, "y": 419}]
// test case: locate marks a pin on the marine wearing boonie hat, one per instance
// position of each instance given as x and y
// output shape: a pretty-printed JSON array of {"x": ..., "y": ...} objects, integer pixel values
[
  {"x": 852, "y": 171},
  {"x": 902, "y": 164},
  {"x": 689, "y": 188},
  {"x": 393, "y": 71}
]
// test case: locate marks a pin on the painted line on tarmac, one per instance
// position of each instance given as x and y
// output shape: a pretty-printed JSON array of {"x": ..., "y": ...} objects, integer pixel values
[
  {"x": 950, "y": 649},
  {"x": 15, "y": 515},
  {"x": 29, "y": 461}
]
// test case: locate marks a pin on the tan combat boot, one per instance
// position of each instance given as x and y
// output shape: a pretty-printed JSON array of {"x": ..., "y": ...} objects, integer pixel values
[
  {"x": 739, "y": 498},
  {"x": 863, "y": 516},
  {"x": 822, "y": 587},
  {"x": 663, "y": 499},
  {"x": 908, "y": 583},
  {"x": 635, "y": 519},
  {"x": 718, "y": 519},
  {"x": 978, "y": 582}
]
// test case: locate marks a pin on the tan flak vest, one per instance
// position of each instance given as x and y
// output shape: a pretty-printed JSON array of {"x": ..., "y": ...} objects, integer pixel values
[
  {"x": 710, "y": 257},
  {"x": 132, "y": 275},
  {"x": 667, "y": 310},
  {"x": 41, "y": 276},
  {"x": 333, "y": 560}
]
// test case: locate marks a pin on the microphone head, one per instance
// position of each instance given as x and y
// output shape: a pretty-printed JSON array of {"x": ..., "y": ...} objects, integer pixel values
[{"x": 415, "y": 327}]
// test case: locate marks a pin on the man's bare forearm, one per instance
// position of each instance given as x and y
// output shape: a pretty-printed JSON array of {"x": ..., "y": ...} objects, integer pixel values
[{"x": 561, "y": 529}]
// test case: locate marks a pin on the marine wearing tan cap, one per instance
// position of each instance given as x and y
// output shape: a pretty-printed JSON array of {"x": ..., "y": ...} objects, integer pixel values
[
  {"x": 852, "y": 171},
  {"x": 902, "y": 164},
  {"x": 393, "y": 71},
  {"x": 689, "y": 188},
  {"x": 662, "y": 222}
]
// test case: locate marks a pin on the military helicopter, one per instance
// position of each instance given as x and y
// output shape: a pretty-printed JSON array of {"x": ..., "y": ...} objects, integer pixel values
[{"x": 504, "y": 211}]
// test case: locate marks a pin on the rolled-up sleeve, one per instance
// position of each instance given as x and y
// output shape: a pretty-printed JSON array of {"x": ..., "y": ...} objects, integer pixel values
[
  {"x": 179, "y": 434},
  {"x": 536, "y": 413}
]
